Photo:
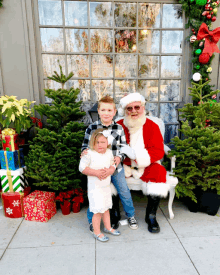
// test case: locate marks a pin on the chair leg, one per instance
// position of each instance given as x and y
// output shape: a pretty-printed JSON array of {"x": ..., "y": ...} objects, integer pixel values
[{"x": 170, "y": 202}]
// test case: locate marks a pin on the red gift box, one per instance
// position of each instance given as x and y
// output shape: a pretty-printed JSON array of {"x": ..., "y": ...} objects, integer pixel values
[
  {"x": 40, "y": 206},
  {"x": 13, "y": 204},
  {"x": 10, "y": 142}
]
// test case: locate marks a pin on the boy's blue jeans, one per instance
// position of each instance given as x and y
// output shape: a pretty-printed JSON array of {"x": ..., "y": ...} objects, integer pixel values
[{"x": 124, "y": 193}]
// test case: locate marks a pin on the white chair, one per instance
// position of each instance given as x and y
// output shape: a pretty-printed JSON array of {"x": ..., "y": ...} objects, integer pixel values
[{"x": 136, "y": 184}]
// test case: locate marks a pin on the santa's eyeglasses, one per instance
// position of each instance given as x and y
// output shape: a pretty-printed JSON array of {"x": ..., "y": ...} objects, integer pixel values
[{"x": 136, "y": 108}]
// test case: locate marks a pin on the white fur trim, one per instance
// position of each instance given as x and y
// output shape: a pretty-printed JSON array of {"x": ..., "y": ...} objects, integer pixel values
[
  {"x": 155, "y": 189},
  {"x": 113, "y": 189},
  {"x": 142, "y": 157},
  {"x": 128, "y": 171},
  {"x": 132, "y": 97},
  {"x": 137, "y": 173}
]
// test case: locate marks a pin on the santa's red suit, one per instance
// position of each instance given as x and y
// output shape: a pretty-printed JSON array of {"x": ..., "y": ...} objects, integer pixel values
[{"x": 148, "y": 145}]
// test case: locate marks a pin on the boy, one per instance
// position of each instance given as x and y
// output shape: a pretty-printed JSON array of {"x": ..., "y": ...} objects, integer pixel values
[{"x": 106, "y": 111}]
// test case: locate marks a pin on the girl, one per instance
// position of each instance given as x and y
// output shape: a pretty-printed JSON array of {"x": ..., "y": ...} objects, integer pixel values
[{"x": 98, "y": 165}]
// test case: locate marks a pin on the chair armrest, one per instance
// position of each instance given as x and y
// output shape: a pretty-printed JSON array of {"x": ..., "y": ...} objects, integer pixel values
[{"x": 172, "y": 159}]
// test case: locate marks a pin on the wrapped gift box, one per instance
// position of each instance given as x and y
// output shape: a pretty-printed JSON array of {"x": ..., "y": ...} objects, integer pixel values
[
  {"x": 13, "y": 204},
  {"x": 9, "y": 140},
  {"x": 12, "y": 160},
  {"x": 40, "y": 206},
  {"x": 13, "y": 181}
]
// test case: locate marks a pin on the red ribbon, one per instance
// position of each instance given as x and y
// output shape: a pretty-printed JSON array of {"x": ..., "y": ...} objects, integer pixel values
[{"x": 211, "y": 39}]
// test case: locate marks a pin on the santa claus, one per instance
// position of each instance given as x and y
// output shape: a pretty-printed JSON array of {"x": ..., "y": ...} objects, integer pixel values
[{"x": 145, "y": 150}]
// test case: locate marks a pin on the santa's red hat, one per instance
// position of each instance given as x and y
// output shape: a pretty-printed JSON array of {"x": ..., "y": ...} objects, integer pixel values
[{"x": 132, "y": 97}]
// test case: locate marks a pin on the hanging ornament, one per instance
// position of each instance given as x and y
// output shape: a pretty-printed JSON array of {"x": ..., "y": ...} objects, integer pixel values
[
  {"x": 198, "y": 51},
  {"x": 208, "y": 16},
  {"x": 214, "y": 96},
  {"x": 192, "y": 39},
  {"x": 215, "y": 10},
  {"x": 197, "y": 67},
  {"x": 208, "y": 1},
  {"x": 201, "y": 2},
  {"x": 204, "y": 58},
  {"x": 196, "y": 77},
  {"x": 207, "y": 6},
  {"x": 201, "y": 44},
  {"x": 209, "y": 70},
  {"x": 204, "y": 13},
  {"x": 213, "y": 18}
]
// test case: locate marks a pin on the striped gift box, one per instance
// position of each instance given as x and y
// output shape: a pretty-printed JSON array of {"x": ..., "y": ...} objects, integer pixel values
[{"x": 18, "y": 180}]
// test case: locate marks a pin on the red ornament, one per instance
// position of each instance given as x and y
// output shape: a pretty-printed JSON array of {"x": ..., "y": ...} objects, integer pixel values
[
  {"x": 210, "y": 9},
  {"x": 193, "y": 30},
  {"x": 204, "y": 13},
  {"x": 206, "y": 79},
  {"x": 209, "y": 16},
  {"x": 213, "y": 18},
  {"x": 204, "y": 58},
  {"x": 212, "y": 13}
]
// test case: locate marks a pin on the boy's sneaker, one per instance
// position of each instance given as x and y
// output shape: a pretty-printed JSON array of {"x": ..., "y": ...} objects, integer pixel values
[
  {"x": 91, "y": 228},
  {"x": 132, "y": 223}
]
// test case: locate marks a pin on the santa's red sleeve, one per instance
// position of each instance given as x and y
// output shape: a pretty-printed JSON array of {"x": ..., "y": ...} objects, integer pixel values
[{"x": 154, "y": 145}]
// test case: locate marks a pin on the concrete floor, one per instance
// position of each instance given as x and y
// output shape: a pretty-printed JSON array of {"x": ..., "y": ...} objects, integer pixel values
[{"x": 187, "y": 245}]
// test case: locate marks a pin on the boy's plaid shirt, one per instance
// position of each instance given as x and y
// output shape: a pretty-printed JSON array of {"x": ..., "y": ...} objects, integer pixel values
[{"x": 119, "y": 138}]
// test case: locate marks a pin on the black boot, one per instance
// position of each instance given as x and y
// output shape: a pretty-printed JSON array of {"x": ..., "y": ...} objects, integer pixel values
[
  {"x": 115, "y": 215},
  {"x": 151, "y": 210}
]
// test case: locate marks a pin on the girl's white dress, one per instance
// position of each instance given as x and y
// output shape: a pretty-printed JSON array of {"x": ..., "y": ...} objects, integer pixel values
[{"x": 99, "y": 191}]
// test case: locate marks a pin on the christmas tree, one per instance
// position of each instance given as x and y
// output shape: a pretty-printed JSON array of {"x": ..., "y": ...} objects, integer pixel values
[
  {"x": 54, "y": 154},
  {"x": 198, "y": 154}
]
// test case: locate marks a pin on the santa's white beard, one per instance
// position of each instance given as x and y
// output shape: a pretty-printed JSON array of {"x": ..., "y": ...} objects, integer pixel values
[{"x": 134, "y": 124}]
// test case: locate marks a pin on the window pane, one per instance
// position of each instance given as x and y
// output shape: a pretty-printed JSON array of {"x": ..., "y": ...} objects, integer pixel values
[
  {"x": 125, "y": 15},
  {"x": 170, "y": 90},
  {"x": 101, "y": 88},
  {"x": 77, "y": 40},
  {"x": 75, "y": 13},
  {"x": 148, "y": 66},
  {"x": 148, "y": 41},
  {"x": 83, "y": 85},
  {"x": 51, "y": 63},
  {"x": 149, "y": 15},
  {"x": 125, "y": 65},
  {"x": 125, "y": 41},
  {"x": 168, "y": 112},
  {"x": 172, "y": 16},
  {"x": 102, "y": 65},
  {"x": 149, "y": 89},
  {"x": 171, "y": 131},
  {"x": 152, "y": 108},
  {"x": 79, "y": 65},
  {"x": 124, "y": 86},
  {"x": 50, "y": 12},
  {"x": 171, "y": 41},
  {"x": 101, "y": 14},
  {"x": 170, "y": 66},
  {"x": 52, "y": 40},
  {"x": 101, "y": 41}
]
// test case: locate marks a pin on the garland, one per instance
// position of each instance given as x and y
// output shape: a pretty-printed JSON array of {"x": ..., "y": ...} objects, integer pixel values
[{"x": 201, "y": 14}]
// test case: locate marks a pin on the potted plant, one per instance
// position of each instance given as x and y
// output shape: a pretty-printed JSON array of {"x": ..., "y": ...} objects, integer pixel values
[
  {"x": 53, "y": 159},
  {"x": 15, "y": 113},
  {"x": 198, "y": 154}
]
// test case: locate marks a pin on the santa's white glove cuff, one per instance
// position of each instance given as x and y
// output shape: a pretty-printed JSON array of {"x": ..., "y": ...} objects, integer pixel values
[{"x": 128, "y": 151}]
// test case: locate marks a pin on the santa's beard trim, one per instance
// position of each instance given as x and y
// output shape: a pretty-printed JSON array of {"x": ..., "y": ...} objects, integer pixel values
[{"x": 134, "y": 124}]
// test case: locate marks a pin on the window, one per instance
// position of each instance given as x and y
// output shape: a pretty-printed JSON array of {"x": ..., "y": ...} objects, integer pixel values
[{"x": 116, "y": 47}]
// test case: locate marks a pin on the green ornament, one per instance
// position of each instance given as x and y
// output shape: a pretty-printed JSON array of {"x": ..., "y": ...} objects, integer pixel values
[
  {"x": 201, "y": 2},
  {"x": 7, "y": 149},
  {"x": 197, "y": 67},
  {"x": 198, "y": 51},
  {"x": 4, "y": 141}
]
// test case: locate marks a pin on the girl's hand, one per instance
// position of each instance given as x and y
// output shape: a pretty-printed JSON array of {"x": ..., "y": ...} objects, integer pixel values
[
  {"x": 100, "y": 174},
  {"x": 109, "y": 171},
  {"x": 84, "y": 152},
  {"x": 117, "y": 160}
]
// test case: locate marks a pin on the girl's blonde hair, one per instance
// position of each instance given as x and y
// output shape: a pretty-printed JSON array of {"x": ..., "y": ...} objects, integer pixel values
[{"x": 95, "y": 135}]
